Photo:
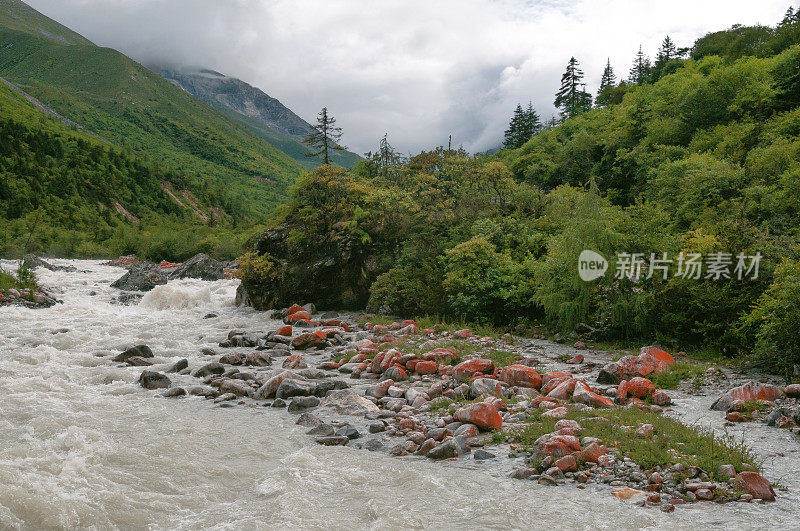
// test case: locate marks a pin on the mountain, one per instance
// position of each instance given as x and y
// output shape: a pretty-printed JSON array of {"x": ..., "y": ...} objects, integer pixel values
[
  {"x": 225, "y": 166},
  {"x": 253, "y": 109}
]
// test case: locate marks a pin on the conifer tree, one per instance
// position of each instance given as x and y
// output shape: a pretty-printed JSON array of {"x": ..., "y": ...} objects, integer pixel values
[
  {"x": 532, "y": 122},
  {"x": 515, "y": 131},
  {"x": 667, "y": 52},
  {"x": 640, "y": 70},
  {"x": 572, "y": 98},
  {"x": 324, "y": 136},
  {"x": 607, "y": 83},
  {"x": 789, "y": 17}
]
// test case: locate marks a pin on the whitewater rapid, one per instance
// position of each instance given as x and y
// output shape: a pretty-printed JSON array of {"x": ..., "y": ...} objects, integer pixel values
[{"x": 82, "y": 445}]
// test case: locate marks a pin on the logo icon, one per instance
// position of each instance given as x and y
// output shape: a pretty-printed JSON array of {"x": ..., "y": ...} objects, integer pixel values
[{"x": 591, "y": 265}]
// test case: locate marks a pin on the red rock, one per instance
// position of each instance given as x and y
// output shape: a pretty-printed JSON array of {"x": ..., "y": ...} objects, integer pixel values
[
  {"x": 640, "y": 387},
  {"x": 567, "y": 464},
  {"x": 285, "y": 331},
  {"x": 337, "y": 322},
  {"x": 406, "y": 424},
  {"x": 309, "y": 340},
  {"x": 658, "y": 354},
  {"x": 389, "y": 358},
  {"x": 554, "y": 382},
  {"x": 661, "y": 399},
  {"x": 387, "y": 338},
  {"x": 466, "y": 369},
  {"x": 396, "y": 373},
  {"x": 579, "y": 345},
  {"x": 295, "y": 361},
  {"x": 482, "y": 414},
  {"x": 583, "y": 395},
  {"x": 592, "y": 453},
  {"x": 463, "y": 334},
  {"x": 563, "y": 390},
  {"x": 756, "y": 485},
  {"x": 520, "y": 375},
  {"x": 622, "y": 392},
  {"x": 379, "y": 330},
  {"x": 575, "y": 360},
  {"x": 439, "y": 354},
  {"x": 548, "y": 376},
  {"x": 394, "y": 326},
  {"x": 411, "y": 364},
  {"x": 297, "y": 316},
  {"x": 328, "y": 366},
  {"x": 557, "y": 446},
  {"x": 735, "y": 416},
  {"x": 294, "y": 308},
  {"x": 792, "y": 391},
  {"x": 429, "y": 332},
  {"x": 750, "y": 391},
  {"x": 425, "y": 367}
]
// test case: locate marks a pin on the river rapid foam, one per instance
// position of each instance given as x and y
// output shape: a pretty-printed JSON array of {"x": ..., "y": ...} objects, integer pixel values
[{"x": 82, "y": 445}]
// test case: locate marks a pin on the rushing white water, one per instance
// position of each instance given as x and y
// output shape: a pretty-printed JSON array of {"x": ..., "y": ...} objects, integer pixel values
[{"x": 82, "y": 445}]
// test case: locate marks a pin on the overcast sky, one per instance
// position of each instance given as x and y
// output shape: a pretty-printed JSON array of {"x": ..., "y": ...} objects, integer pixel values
[{"x": 418, "y": 70}]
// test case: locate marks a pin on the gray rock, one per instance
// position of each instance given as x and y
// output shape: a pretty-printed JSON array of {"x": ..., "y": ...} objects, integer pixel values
[
  {"x": 289, "y": 388},
  {"x": 153, "y": 380},
  {"x": 138, "y": 361},
  {"x": 348, "y": 431},
  {"x": 209, "y": 369},
  {"x": 308, "y": 420},
  {"x": 279, "y": 402},
  {"x": 481, "y": 455},
  {"x": 237, "y": 387},
  {"x": 348, "y": 402},
  {"x": 141, "y": 351},
  {"x": 179, "y": 365},
  {"x": 373, "y": 445},
  {"x": 199, "y": 266},
  {"x": 449, "y": 448},
  {"x": 141, "y": 277},
  {"x": 323, "y": 430},
  {"x": 333, "y": 440},
  {"x": 377, "y": 427},
  {"x": 301, "y": 403},
  {"x": 174, "y": 392}
]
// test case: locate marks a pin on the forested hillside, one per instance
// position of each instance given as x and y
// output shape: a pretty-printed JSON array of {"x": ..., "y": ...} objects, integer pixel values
[
  {"x": 695, "y": 154},
  {"x": 127, "y": 105}
]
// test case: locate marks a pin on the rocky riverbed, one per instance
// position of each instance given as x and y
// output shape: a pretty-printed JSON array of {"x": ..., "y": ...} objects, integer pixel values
[{"x": 98, "y": 448}]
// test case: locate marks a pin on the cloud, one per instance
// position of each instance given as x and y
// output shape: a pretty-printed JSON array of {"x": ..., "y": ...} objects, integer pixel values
[{"x": 419, "y": 70}]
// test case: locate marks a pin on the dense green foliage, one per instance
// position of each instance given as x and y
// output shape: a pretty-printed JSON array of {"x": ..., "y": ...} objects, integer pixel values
[{"x": 702, "y": 158}]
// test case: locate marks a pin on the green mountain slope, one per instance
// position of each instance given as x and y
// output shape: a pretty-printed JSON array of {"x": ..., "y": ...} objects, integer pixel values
[
  {"x": 127, "y": 105},
  {"x": 254, "y": 110}
]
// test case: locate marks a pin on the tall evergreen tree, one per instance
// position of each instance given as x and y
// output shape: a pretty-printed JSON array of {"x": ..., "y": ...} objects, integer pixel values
[
  {"x": 532, "y": 122},
  {"x": 514, "y": 133},
  {"x": 324, "y": 136},
  {"x": 789, "y": 17},
  {"x": 667, "y": 52},
  {"x": 607, "y": 83},
  {"x": 640, "y": 70},
  {"x": 572, "y": 98}
]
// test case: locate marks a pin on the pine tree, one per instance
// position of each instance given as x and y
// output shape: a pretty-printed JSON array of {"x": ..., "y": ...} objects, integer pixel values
[
  {"x": 789, "y": 17},
  {"x": 607, "y": 83},
  {"x": 513, "y": 134},
  {"x": 667, "y": 52},
  {"x": 572, "y": 98},
  {"x": 324, "y": 136},
  {"x": 640, "y": 70},
  {"x": 532, "y": 123}
]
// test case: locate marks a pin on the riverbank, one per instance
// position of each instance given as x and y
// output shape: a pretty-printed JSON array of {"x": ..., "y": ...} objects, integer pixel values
[{"x": 84, "y": 444}]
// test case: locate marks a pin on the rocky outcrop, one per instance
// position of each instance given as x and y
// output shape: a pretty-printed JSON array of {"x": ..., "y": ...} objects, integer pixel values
[
  {"x": 145, "y": 276},
  {"x": 32, "y": 262},
  {"x": 748, "y": 392},
  {"x": 30, "y": 298}
]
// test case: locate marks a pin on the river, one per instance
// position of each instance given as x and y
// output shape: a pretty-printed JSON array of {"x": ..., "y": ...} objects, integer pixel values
[{"x": 82, "y": 445}]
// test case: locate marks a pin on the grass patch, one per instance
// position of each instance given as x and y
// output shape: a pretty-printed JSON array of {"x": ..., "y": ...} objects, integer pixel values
[
  {"x": 673, "y": 442},
  {"x": 680, "y": 370},
  {"x": 23, "y": 279},
  {"x": 436, "y": 323},
  {"x": 751, "y": 406}
]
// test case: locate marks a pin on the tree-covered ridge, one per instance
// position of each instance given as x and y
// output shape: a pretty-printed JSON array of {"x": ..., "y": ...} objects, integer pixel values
[
  {"x": 129, "y": 106},
  {"x": 65, "y": 192},
  {"x": 705, "y": 159}
]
